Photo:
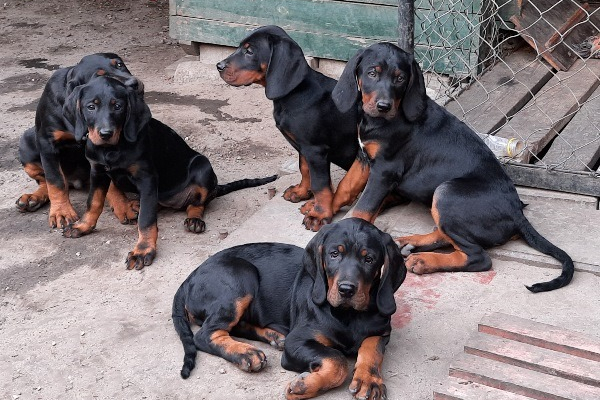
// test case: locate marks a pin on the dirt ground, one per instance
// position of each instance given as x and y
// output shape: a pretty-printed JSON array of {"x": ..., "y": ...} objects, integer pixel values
[{"x": 74, "y": 324}]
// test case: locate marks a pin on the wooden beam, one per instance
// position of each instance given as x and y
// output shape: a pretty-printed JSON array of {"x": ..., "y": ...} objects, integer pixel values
[
  {"x": 501, "y": 92},
  {"x": 540, "y": 120},
  {"x": 562, "y": 181},
  {"x": 577, "y": 147},
  {"x": 520, "y": 380},
  {"x": 541, "y": 335}
]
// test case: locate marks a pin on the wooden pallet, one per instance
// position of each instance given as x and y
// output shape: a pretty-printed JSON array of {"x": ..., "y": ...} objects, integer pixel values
[
  {"x": 513, "y": 358},
  {"x": 552, "y": 27}
]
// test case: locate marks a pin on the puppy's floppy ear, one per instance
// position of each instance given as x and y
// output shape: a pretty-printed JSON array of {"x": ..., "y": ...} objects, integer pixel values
[
  {"x": 313, "y": 264},
  {"x": 287, "y": 67},
  {"x": 393, "y": 273},
  {"x": 415, "y": 97},
  {"x": 345, "y": 92},
  {"x": 138, "y": 112},
  {"x": 73, "y": 116}
]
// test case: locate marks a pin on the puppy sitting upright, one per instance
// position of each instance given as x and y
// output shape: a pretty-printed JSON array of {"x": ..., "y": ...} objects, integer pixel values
[
  {"x": 332, "y": 300},
  {"x": 304, "y": 113},
  {"x": 424, "y": 153},
  {"x": 50, "y": 154},
  {"x": 141, "y": 155}
]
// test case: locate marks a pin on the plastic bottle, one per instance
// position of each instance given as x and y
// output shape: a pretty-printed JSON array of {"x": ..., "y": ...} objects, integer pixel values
[{"x": 503, "y": 147}]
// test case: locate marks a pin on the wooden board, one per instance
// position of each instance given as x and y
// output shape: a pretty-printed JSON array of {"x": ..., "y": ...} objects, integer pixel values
[
  {"x": 520, "y": 380},
  {"x": 552, "y": 27},
  {"x": 462, "y": 389},
  {"x": 336, "y": 29},
  {"x": 534, "y": 358},
  {"x": 501, "y": 92},
  {"x": 512, "y": 358},
  {"x": 539, "y": 121},
  {"x": 577, "y": 147},
  {"x": 542, "y": 335},
  {"x": 542, "y": 178}
]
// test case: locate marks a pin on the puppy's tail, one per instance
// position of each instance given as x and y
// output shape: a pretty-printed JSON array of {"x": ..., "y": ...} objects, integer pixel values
[
  {"x": 222, "y": 190},
  {"x": 538, "y": 242},
  {"x": 185, "y": 334}
]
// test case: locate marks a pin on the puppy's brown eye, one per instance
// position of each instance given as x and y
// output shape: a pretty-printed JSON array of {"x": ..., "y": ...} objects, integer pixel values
[
  {"x": 334, "y": 254},
  {"x": 118, "y": 106},
  {"x": 119, "y": 64},
  {"x": 91, "y": 107},
  {"x": 369, "y": 259},
  {"x": 372, "y": 73}
]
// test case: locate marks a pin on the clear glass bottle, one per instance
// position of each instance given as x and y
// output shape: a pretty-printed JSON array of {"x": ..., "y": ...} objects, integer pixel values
[{"x": 503, "y": 147}]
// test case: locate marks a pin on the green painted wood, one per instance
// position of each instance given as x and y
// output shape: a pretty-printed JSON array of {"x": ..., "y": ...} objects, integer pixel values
[
  {"x": 336, "y": 29},
  {"x": 432, "y": 27}
]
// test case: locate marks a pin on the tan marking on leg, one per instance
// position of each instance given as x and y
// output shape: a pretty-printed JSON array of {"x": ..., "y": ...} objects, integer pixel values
[
  {"x": 61, "y": 212},
  {"x": 124, "y": 209},
  {"x": 87, "y": 223},
  {"x": 367, "y": 370},
  {"x": 300, "y": 191},
  {"x": 33, "y": 201},
  {"x": 329, "y": 375},
  {"x": 351, "y": 185},
  {"x": 145, "y": 250},
  {"x": 428, "y": 262}
]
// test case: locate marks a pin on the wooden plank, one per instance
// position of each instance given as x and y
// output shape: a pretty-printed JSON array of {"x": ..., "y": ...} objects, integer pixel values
[
  {"x": 501, "y": 92},
  {"x": 229, "y": 34},
  {"x": 539, "y": 20},
  {"x": 553, "y": 107},
  {"x": 577, "y": 147},
  {"x": 562, "y": 181},
  {"x": 460, "y": 389},
  {"x": 313, "y": 44},
  {"x": 534, "y": 358},
  {"x": 541, "y": 335},
  {"x": 519, "y": 380},
  {"x": 339, "y": 18}
]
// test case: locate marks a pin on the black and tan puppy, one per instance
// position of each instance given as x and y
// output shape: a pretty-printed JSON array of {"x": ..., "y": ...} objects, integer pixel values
[
  {"x": 140, "y": 155},
  {"x": 340, "y": 303},
  {"x": 304, "y": 113},
  {"x": 421, "y": 151},
  {"x": 50, "y": 154}
]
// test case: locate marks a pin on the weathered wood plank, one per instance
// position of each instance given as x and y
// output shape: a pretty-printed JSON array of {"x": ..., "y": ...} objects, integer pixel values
[
  {"x": 520, "y": 380},
  {"x": 313, "y": 44},
  {"x": 539, "y": 20},
  {"x": 338, "y": 18},
  {"x": 501, "y": 92},
  {"x": 553, "y": 107},
  {"x": 541, "y": 335},
  {"x": 577, "y": 147},
  {"x": 460, "y": 389},
  {"x": 230, "y": 34},
  {"x": 534, "y": 358},
  {"x": 541, "y": 178}
]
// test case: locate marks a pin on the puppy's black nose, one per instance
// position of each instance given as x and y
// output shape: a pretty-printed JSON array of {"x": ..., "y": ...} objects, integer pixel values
[
  {"x": 106, "y": 134},
  {"x": 221, "y": 65},
  {"x": 384, "y": 106},
  {"x": 346, "y": 289}
]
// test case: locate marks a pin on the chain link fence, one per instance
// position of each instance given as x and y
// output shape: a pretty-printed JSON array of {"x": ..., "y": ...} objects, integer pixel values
[{"x": 520, "y": 69}]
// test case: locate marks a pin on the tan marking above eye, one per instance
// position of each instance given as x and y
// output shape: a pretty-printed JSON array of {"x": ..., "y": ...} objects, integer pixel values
[
  {"x": 341, "y": 248},
  {"x": 378, "y": 69},
  {"x": 364, "y": 252}
]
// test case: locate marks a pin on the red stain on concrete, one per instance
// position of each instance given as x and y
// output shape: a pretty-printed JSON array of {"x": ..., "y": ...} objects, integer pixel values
[
  {"x": 403, "y": 316},
  {"x": 416, "y": 291},
  {"x": 484, "y": 277}
]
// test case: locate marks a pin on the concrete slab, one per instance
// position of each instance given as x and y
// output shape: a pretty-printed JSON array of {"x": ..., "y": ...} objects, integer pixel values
[
  {"x": 437, "y": 313},
  {"x": 549, "y": 212}
]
